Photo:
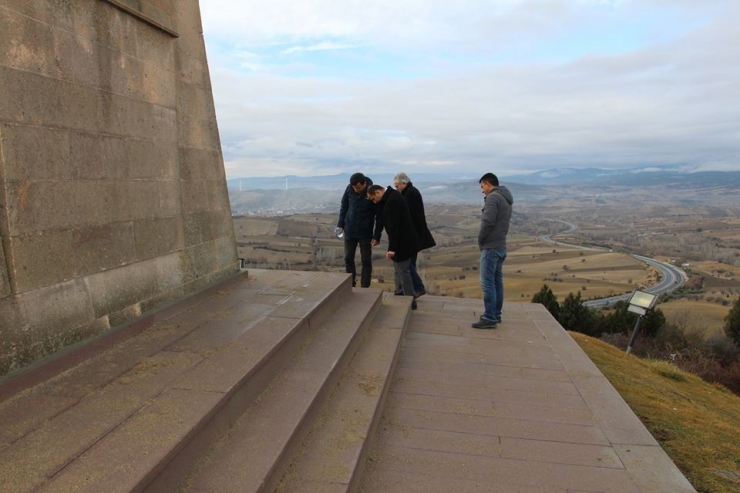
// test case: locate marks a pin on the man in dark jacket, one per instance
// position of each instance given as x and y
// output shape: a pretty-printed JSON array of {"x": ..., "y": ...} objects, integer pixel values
[
  {"x": 402, "y": 241},
  {"x": 403, "y": 184},
  {"x": 494, "y": 226},
  {"x": 359, "y": 221}
]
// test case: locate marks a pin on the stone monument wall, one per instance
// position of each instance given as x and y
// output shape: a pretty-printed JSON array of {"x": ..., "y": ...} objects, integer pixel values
[{"x": 113, "y": 197}]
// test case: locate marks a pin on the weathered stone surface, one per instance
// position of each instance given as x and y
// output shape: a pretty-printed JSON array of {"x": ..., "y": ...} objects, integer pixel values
[
  {"x": 4, "y": 281},
  {"x": 201, "y": 164},
  {"x": 42, "y": 259},
  {"x": 34, "y": 153},
  {"x": 104, "y": 247},
  {"x": 117, "y": 289},
  {"x": 158, "y": 237},
  {"x": 112, "y": 189},
  {"x": 26, "y": 43}
]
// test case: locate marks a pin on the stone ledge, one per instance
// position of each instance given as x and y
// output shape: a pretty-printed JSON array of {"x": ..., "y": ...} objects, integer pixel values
[{"x": 147, "y": 13}]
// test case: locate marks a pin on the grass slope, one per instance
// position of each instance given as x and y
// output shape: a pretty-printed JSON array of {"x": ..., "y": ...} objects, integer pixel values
[{"x": 696, "y": 423}]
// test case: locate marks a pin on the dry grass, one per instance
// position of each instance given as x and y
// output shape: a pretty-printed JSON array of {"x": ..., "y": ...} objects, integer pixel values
[
  {"x": 710, "y": 315},
  {"x": 696, "y": 423}
]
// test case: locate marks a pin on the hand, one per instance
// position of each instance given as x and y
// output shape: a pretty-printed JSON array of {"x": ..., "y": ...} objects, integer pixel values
[
  {"x": 374, "y": 242},
  {"x": 389, "y": 255}
]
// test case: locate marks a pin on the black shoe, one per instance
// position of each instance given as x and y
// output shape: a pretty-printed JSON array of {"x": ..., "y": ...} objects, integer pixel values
[
  {"x": 398, "y": 292},
  {"x": 498, "y": 320},
  {"x": 413, "y": 305},
  {"x": 484, "y": 323},
  {"x": 420, "y": 293}
]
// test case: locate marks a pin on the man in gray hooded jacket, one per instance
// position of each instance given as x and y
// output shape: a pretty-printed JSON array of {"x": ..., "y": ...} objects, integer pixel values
[{"x": 494, "y": 226}]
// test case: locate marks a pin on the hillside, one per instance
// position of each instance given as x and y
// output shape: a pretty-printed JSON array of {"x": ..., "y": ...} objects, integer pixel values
[{"x": 696, "y": 423}]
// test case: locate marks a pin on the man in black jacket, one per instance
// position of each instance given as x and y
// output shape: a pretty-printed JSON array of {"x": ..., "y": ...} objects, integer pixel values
[
  {"x": 403, "y": 184},
  {"x": 402, "y": 240},
  {"x": 359, "y": 221}
]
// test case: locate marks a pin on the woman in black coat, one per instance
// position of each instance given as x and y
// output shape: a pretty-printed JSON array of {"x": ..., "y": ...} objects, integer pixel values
[{"x": 419, "y": 220}]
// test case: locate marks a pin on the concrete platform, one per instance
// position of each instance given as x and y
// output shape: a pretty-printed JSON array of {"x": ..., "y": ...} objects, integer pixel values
[
  {"x": 519, "y": 408},
  {"x": 294, "y": 381}
]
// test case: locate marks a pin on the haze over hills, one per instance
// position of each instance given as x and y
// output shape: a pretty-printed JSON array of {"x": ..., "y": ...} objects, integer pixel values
[{"x": 284, "y": 195}]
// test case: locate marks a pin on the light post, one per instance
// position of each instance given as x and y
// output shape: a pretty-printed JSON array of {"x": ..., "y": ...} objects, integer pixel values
[{"x": 641, "y": 302}]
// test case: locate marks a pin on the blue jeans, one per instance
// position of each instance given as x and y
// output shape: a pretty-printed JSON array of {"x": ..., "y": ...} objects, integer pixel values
[{"x": 492, "y": 281}]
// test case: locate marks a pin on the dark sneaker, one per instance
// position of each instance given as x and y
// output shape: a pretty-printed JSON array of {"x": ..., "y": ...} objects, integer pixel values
[
  {"x": 398, "y": 293},
  {"x": 498, "y": 320},
  {"x": 484, "y": 323},
  {"x": 413, "y": 305},
  {"x": 420, "y": 293}
]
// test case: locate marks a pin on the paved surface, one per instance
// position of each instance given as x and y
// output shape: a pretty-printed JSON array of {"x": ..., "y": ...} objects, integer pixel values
[{"x": 519, "y": 408}]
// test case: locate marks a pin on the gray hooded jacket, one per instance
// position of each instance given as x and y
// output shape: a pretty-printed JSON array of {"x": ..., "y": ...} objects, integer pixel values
[{"x": 494, "y": 223}]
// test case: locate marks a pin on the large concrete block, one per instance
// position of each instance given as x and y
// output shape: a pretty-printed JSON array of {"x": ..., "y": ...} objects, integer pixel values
[
  {"x": 42, "y": 259},
  {"x": 43, "y": 314},
  {"x": 202, "y": 195},
  {"x": 200, "y": 227},
  {"x": 26, "y": 44},
  {"x": 188, "y": 17},
  {"x": 99, "y": 248},
  {"x": 193, "y": 71},
  {"x": 201, "y": 164},
  {"x": 204, "y": 258},
  {"x": 170, "y": 200},
  {"x": 196, "y": 131},
  {"x": 135, "y": 199},
  {"x": 35, "y": 206},
  {"x": 155, "y": 237},
  {"x": 4, "y": 281},
  {"x": 150, "y": 160},
  {"x": 190, "y": 43},
  {"x": 194, "y": 100},
  {"x": 116, "y": 289},
  {"x": 34, "y": 153},
  {"x": 157, "y": 48},
  {"x": 226, "y": 256},
  {"x": 79, "y": 58},
  {"x": 98, "y": 157},
  {"x": 117, "y": 29}
]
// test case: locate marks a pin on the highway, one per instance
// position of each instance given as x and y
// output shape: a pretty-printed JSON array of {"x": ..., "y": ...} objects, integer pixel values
[{"x": 672, "y": 277}]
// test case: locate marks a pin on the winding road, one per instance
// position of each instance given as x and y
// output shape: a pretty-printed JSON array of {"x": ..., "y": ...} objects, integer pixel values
[{"x": 672, "y": 277}]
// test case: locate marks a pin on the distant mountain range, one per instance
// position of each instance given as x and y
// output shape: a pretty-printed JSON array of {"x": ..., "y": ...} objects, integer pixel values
[
  {"x": 282, "y": 195},
  {"x": 634, "y": 177}
]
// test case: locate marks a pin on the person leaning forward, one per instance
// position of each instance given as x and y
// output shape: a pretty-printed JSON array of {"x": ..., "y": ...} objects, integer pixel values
[
  {"x": 494, "y": 226},
  {"x": 359, "y": 220},
  {"x": 403, "y": 184},
  {"x": 402, "y": 240}
]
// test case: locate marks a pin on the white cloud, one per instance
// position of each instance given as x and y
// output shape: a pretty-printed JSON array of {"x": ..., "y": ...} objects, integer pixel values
[{"x": 317, "y": 86}]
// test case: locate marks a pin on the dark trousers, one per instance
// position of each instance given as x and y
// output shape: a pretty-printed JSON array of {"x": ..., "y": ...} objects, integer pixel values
[
  {"x": 366, "y": 252},
  {"x": 415, "y": 278}
]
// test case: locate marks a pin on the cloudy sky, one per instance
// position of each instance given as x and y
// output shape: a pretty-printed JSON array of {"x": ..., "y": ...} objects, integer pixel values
[{"x": 315, "y": 87}]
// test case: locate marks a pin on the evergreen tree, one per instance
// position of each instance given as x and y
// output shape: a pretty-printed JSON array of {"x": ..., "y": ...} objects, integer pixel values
[
  {"x": 574, "y": 315},
  {"x": 732, "y": 323},
  {"x": 623, "y": 320},
  {"x": 549, "y": 300}
]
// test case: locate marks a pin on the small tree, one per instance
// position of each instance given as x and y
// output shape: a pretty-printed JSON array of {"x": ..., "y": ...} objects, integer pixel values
[
  {"x": 732, "y": 323},
  {"x": 574, "y": 315},
  {"x": 549, "y": 300}
]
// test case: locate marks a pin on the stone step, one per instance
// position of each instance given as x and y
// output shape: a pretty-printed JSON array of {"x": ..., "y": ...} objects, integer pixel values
[
  {"x": 333, "y": 455},
  {"x": 146, "y": 408},
  {"x": 251, "y": 456}
]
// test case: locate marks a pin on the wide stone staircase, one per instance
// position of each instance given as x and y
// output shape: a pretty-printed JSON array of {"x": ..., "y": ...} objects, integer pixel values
[{"x": 271, "y": 381}]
